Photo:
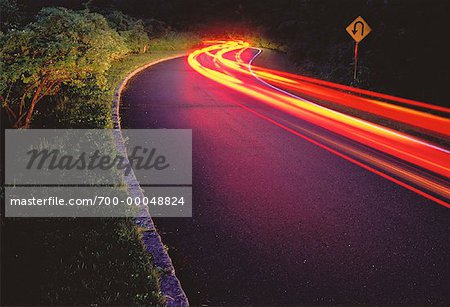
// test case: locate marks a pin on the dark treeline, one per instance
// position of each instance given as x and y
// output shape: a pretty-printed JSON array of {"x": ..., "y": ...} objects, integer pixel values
[
  {"x": 406, "y": 54},
  {"x": 56, "y": 62}
]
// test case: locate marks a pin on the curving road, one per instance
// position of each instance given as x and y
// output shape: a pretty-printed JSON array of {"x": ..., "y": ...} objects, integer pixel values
[{"x": 278, "y": 219}]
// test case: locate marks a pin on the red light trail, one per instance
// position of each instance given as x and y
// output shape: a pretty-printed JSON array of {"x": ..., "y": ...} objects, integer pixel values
[{"x": 410, "y": 161}]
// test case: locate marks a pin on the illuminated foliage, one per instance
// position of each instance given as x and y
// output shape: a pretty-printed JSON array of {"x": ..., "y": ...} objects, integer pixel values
[
  {"x": 131, "y": 29},
  {"x": 61, "y": 47}
]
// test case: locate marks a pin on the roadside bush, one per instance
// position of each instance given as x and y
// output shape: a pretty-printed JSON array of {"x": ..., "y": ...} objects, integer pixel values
[
  {"x": 60, "y": 48},
  {"x": 68, "y": 111},
  {"x": 175, "y": 41},
  {"x": 71, "y": 62},
  {"x": 10, "y": 14},
  {"x": 61, "y": 71},
  {"x": 257, "y": 40},
  {"x": 132, "y": 30},
  {"x": 156, "y": 28}
]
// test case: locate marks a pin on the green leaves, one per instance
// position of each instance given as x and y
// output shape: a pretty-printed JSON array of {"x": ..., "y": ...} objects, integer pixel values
[
  {"x": 61, "y": 46},
  {"x": 131, "y": 30}
]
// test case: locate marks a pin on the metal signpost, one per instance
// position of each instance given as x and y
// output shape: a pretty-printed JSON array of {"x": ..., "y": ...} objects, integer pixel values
[{"x": 358, "y": 30}]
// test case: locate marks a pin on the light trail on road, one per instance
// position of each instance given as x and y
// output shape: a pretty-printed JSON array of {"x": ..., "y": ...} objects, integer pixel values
[{"x": 415, "y": 163}]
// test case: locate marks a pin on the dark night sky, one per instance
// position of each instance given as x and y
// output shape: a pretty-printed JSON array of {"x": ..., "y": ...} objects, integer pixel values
[{"x": 406, "y": 54}]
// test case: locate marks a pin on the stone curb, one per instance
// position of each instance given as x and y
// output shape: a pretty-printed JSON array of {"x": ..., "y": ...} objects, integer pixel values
[{"x": 170, "y": 285}]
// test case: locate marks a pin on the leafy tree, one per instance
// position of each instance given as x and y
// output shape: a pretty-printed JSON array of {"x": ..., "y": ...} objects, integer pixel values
[
  {"x": 131, "y": 29},
  {"x": 10, "y": 14},
  {"x": 62, "y": 47}
]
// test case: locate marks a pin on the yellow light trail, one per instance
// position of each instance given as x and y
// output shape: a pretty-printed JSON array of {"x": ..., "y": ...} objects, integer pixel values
[{"x": 224, "y": 63}]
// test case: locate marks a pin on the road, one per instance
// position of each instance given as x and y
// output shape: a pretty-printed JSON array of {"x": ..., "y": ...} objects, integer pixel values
[{"x": 278, "y": 219}]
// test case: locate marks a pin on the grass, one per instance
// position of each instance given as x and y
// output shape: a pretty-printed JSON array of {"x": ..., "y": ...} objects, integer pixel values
[
  {"x": 91, "y": 107},
  {"x": 83, "y": 261},
  {"x": 70, "y": 261},
  {"x": 175, "y": 41}
]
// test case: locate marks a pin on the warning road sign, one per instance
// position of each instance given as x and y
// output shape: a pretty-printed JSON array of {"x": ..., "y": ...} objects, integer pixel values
[{"x": 358, "y": 29}]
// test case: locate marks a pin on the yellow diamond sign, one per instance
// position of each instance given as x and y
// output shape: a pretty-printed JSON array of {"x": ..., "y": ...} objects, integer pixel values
[{"x": 358, "y": 29}]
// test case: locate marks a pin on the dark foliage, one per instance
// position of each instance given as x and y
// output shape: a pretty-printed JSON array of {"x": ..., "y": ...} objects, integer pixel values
[
  {"x": 405, "y": 55},
  {"x": 67, "y": 261}
]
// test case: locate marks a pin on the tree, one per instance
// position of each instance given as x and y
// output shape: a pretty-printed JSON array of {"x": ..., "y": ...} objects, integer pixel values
[
  {"x": 60, "y": 47},
  {"x": 131, "y": 29},
  {"x": 10, "y": 14}
]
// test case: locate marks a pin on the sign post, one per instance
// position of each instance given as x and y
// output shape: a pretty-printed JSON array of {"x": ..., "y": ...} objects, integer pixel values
[{"x": 358, "y": 30}]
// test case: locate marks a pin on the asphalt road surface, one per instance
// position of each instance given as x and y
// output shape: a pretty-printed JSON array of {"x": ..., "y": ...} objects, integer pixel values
[{"x": 278, "y": 220}]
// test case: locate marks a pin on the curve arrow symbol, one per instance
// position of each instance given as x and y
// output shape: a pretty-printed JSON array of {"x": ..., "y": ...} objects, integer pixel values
[{"x": 355, "y": 28}]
